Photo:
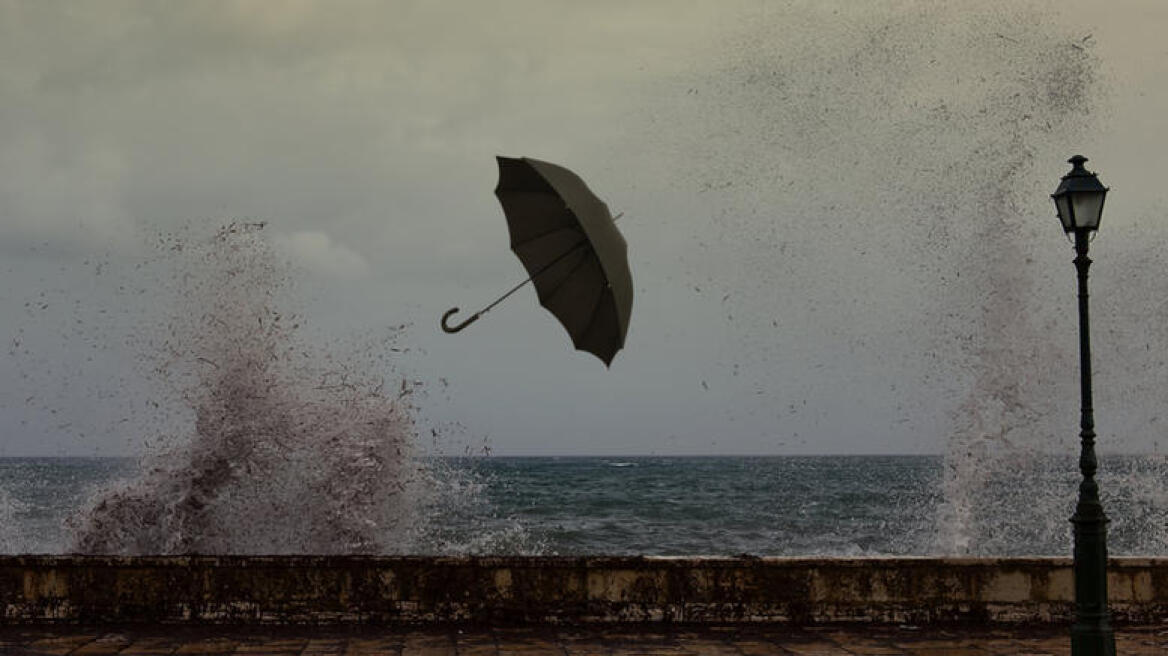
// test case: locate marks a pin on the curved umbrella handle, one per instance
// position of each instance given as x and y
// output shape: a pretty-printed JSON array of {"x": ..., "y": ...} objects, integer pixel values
[
  {"x": 453, "y": 329},
  {"x": 475, "y": 317}
]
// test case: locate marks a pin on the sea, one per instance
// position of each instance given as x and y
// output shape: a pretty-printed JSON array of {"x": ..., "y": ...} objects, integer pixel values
[{"x": 841, "y": 506}]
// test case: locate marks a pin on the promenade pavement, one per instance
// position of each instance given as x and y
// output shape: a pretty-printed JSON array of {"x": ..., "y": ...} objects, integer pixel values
[{"x": 561, "y": 641}]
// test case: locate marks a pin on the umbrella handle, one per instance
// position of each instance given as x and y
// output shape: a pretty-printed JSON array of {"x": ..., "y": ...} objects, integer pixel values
[
  {"x": 475, "y": 317},
  {"x": 453, "y": 329}
]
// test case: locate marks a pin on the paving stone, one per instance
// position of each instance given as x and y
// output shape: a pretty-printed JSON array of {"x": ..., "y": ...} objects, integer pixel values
[
  {"x": 1000, "y": 647},
  {"x": 475, "y": 643},
  {"x": 271, "y": 647},
  {"x": 586, "y": 649},
  {"x": 1139, "y": 647},
  {"x": 374, "y": 646},
  {"x": 865, "y": 645},
  {"x": 753, "y": 647},
  {"x": 584, "y": 644},
  {"x": 860, "y": 649},
  {"x": 534, "y": 648},
  {"x": 150, "y": 647},
  {"x": 1049, "y": 646},
  {"x": 707, "y": 647},
  {"x": 651, "y": 649},
  {"x": 324, "y": 647},
  {"x": 59, "y": 644},
  {"x": 112, "y": 643},
  {"x": 428, "y": 645},
  {"x": 948, "y": 651},
  {"x": 477, "y": 650},
  {"x": 820, "y": 648},
  {"x": 266, "y": 649},
  {"x": 207, "y": 646}
]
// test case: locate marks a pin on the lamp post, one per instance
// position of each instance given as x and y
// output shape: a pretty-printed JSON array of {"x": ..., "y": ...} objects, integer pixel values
[{"x": 1079, "y": 202}]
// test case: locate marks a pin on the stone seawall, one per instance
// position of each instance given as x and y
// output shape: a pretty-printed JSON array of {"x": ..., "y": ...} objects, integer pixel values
[{"x": 563, "y": 590}]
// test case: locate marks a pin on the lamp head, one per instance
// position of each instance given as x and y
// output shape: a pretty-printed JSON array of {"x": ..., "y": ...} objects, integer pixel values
[{"x": 1079, "y": 198}]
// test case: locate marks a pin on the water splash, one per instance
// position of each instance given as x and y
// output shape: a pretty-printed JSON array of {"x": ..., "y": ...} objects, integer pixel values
[
  {"x": 283, "y": 449},
  {"x": 10, "y": 509},
  {"x": 1137, "y": 504},
  {"x": 878, "y": 180}
]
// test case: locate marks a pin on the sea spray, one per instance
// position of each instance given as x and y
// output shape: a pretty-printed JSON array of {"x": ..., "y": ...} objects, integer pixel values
[
  {"x": 879, "y": 176},
  {"x": 10, "y": 509},
  {"x": 287, "y": 448}
]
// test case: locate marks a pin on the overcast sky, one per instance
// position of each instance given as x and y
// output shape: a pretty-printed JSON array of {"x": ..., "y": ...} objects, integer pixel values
[{"x": 838, "y": 218}]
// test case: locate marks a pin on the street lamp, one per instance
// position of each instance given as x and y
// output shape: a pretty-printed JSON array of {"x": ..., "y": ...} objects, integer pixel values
[{"x": 1079, "y": 202}]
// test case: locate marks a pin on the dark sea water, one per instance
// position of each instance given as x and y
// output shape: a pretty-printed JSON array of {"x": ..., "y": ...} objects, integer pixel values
[
  {"x": 717, "y": 505},
  {"x": 823, "y": 505}
]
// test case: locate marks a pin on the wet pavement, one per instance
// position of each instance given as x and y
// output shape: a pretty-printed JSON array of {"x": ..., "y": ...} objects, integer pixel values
[{"x": 563, "y": 641}]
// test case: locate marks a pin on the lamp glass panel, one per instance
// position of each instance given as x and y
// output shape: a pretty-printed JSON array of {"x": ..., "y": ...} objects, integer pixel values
[
  {"x": 1088, "y": 206},
  {"x": 1062, "y": 203}
]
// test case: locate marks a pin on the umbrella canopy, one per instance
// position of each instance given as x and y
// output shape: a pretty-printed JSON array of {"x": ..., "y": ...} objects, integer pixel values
[{"x": 567, "y": 240}]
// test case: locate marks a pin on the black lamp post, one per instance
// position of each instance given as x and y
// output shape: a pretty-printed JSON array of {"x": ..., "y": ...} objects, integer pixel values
[{"x": 1079, "y": 201}]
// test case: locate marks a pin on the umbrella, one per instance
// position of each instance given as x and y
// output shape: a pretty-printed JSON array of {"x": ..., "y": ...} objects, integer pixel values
[{"x": 568, "y": 242}]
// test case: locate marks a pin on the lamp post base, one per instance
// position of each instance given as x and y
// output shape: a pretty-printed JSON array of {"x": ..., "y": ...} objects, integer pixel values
[{"x": 1092, "y": 641}]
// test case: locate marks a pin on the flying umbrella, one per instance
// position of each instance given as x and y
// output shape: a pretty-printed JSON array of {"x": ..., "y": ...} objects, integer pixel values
[{"x": 567, "y": 240}]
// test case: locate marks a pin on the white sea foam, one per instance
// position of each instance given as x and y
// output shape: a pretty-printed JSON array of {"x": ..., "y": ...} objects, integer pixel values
[
  {"x": 284, "y": 447},
  {"x": 11, "y": 541},
  {"x": 879, "y": 175}
]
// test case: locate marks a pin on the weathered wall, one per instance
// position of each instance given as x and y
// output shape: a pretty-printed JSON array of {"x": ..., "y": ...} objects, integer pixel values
[{"x": 563, "y": 589}]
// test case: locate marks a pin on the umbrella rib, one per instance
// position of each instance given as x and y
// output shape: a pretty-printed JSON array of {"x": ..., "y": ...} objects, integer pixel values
[
  {"x": 573, "y": 229},
  {"x": 595, "y": 315},
  {"x": 552, "y": 292},
  {"x": 542, "y": 269},
  {"x": 591, "y": 311}
]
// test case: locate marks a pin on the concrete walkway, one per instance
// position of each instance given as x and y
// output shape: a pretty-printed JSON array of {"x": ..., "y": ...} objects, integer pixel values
[{"x": 589, "y": 641}]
